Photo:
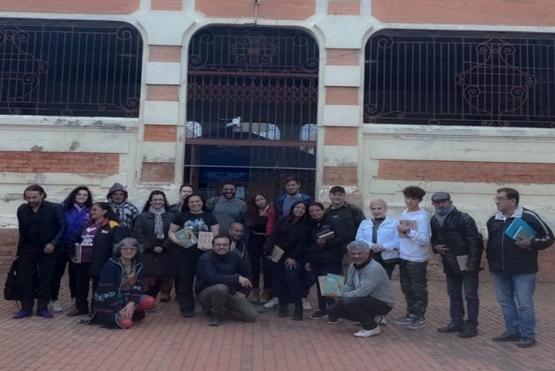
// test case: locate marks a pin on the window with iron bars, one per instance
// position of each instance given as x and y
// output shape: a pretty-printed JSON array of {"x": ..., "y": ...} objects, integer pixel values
[
  {"x": 428, "y": 77},
  {"x": 69, "y": 68}
]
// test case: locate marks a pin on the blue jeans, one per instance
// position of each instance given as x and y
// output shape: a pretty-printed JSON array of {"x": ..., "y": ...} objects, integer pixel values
[
  {"x": 288, "y": 283},
  {"x": 514, "y": 294},
  {"x": 456, "y": 285}
]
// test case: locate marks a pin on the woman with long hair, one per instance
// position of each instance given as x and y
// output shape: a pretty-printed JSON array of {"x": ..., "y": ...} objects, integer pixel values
[
  {"x": 76, "y": 208},
  {"x": 194, "y": 219},
  {"x": 94, "y": 249},
  {"x": 151, "y": 230},
  {"x": 260, "y": 220}
]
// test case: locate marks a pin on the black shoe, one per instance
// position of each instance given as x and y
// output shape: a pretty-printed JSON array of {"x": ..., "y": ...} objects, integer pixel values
[
  {"x": 451, "y": 327},
  {"x": 283, "y": 312},
  {"x": 214, "y": 320},
  {"x": 298, "y": 313},
  {"x": 318, "y": 314},
  {"x": 507, "y": 337},
  {"x": 468, "y": 332},
  {"x": 526, "y": 342},
  {"x": 187, "y": 313},
  {"x": 75, "y": 313}
]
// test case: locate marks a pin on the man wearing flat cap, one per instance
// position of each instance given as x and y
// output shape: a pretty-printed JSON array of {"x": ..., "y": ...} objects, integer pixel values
[{"x": 456, "y": 238}]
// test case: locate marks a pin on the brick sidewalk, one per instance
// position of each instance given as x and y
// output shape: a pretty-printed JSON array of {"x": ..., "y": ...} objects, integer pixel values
[{"x": 165, "y": 341}]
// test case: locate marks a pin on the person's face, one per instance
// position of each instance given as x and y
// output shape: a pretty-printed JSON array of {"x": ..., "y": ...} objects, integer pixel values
[
  {"x": 260, "y": 201},
  {"x": 195, "y": 204},
  {"x": 441, "y": 204},
  {"x": 128, "y": 251},
  {"x": 34, "y": 198},
  {"x": 292, "y": 187},
  {"x": 236, "y": 232},
  {"x": 315, "y": 212},
  {"x": 337, "y": 198},
  {"x": 378, "y": 210},
  {"x": 97, "y": 212},
  {"x": 299, "y": 210},
  {"x": 82, "y": 196},
  {"x": 185, "y": 192},
  {"x": 503, "y": 203},
  {"x": 411, "y": 202},
  {"x": 157, "y": 201},
  {"x": 228, "y": 191},
  {"x": 118, "y": 197},
  {"x": 359, "y": 256},
  {"x": 221, "y": 246}
]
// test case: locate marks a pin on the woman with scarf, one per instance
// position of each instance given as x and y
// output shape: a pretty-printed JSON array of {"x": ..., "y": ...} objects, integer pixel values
[
  {"x": 151, "y": 230},
  {"x": 119, "y": 298},
  {"x": 76, "y": 208},
  {"x": 94, "y": 249}
]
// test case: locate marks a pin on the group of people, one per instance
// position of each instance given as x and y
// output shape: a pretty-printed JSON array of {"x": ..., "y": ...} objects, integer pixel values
[{"x": 272, "y": 253}]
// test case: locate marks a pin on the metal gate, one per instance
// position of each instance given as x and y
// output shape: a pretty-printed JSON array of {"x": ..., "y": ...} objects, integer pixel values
[{"x": 252, "y": 99}]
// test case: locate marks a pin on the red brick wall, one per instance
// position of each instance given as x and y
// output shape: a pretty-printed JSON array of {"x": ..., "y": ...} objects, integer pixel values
[
  {"x": 160, "y": 133},
  {"x": 162, "y": 92},
  {"x": 461, "y": 171},
  {"x": 503, "y": 12},
  {"x": 344, "y": 175},
  {"x": 160, "y": 172},
  {"x": 71, "y": 6},
  {"x": 59, "y": 162},
  {"x": 166, "y": 4},
  {"x": 341, "y": 136},
  {"x": 164, "y": 53},
  {"x": 271, "y": 9},
  {"x": 344, "y": 7}
]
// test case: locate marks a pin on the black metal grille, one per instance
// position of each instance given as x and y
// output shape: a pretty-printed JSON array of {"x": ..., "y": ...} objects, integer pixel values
[
  {"x": 69, "y": 68},
  {"x": 460, "y": 78},
  {"x": 252, "y": 100}
]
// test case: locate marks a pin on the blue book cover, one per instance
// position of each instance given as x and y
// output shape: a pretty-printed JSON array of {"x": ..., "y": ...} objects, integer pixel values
[
  {"x": 519, "y": 229},
  {"x": 334, "y": 285}
]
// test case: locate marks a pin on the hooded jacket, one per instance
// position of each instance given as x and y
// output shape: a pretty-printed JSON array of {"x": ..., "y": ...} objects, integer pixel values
[{"x": 126, "y": 211}]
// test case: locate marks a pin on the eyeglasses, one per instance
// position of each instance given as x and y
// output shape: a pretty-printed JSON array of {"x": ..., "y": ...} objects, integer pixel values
[{"x": 129, "y": 248}]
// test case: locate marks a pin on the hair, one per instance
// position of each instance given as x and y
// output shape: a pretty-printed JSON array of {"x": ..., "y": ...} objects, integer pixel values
[
  {"x": 35, "y": 188},
  {"x": 292, "y": 216},
  {"x": 221, "y": 236},
  {"x": 252, "y": 209},
  {"x": 378, "y": 201},
  {"x": 110, "y": 214},
  {"x": 414, "y": 192},
  {"x": 238, "y": 223},
  {"x": 185, "y": 206},
  {"x": 70, "y": 199},
  {"x": 361, "y": 245},
  {"x": 512, "y": 194},
  {"x": 126, "y": 241},
  {"x": 152, "y": 194},
  {"x": 227, "y": 182},
  {"x": 291, "y": 178},
  {"x": 186, "y": 185}
]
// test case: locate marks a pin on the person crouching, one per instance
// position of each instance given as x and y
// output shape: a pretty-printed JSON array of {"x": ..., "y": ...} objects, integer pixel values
[
  {"x": 119, "y": 300},
  {"x": 367, "y": 292}
]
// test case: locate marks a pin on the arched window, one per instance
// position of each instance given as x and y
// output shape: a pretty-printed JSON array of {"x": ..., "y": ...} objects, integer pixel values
[
  {"x": 460, "y": 78},
  {"x": 69, "y": 68}
]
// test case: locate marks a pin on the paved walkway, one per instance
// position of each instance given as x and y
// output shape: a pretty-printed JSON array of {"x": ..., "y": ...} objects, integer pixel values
[{"x": 165, "y": 341}]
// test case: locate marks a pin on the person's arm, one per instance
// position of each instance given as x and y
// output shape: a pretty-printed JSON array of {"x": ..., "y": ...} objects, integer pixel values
[
  {"x": 421, "y": 234},
  {"x": 171, "y": 234},
  {"x": 368, "y": 284},
  {"x": 272, "y": 238},
  {"x": 139, "y": 233},
  {"x": 209, "y": 275},
  {"x": 544, "y": 237},
  {"x": 61, "y": 221},
  {"x": 301, "y": 242},
  {"x": 473, "y": 239},
  {"x": 136, "y": 290},
  {"x": 349, "y": 286},
  {"x": 107, "y": 290},
  {"x": 392, "y": 240},
  {"x": 358, "y": 216}
]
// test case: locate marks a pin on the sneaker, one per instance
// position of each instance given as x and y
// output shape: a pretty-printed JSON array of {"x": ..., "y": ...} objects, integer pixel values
[
  {"x": 526, "y": 342},
  {"x": 404, "y": 320},
  {"x": 306, "y": 304},
  {"x": 380, "y": 320},
  {"x": 44, "y": 313},
  {"x": 504, "y": 337},
  {"x": 416, "y": 324},
  {"x": 451, "y": 327},
  {"x": 55, "y": 306},
  {"x": 272, "y": 303},
  {"x": 333, "y": 321},
  {"x": 22, "y": 313},
  {"x": 367, "y": 333},
  {"x": 318, "y": 314}
]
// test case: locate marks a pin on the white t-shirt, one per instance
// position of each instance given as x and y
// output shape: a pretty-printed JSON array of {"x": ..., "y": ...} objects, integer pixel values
[{"x": 413, "y": 245}]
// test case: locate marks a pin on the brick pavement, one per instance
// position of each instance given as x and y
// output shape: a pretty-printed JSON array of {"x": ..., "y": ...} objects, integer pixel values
[{"x": 165, "y": 341}]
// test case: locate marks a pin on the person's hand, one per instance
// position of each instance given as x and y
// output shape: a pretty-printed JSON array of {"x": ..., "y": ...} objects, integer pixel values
[
  {"x": 158, "y": 249},
  {"x": 523, "y": 244},
  {"x": 402, "y": 228},
  {"x": 239, "y": 295},
  {"x": 290, "y": 263},
  {"x": 245, "y": 282},
  {"x": 377, "y": 248},
  {"x": 48, "y": 248},
  {"x": 307, "y": 267},
  {"x": 441, "y": 249}
]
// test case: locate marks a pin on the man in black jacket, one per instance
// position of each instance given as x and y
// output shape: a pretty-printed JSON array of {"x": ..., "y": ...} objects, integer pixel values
[
  {"x": 223, "y": 282},
  {"x": 41, "y": 224},
  {"x": 456, "y": 238},
  {"x": 513, "y": 263}
]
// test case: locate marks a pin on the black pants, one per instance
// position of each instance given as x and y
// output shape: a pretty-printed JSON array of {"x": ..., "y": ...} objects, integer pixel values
[
  {"x": 362, "y": 310},
  {"x": 389, "y": 266},
  {"x": 322, "y": 270},
  {"x": 288, "y": 283},
  {"x": 414, "y": 285},
  {"x": 82, "y": 286},
  {"x": 456, "y": 283},
  {"x": 59, "y": 270},
  {"x": 259, "y": 262},
  {"x": 35, "y": 270},
  {"x": 186, "y": 265}
]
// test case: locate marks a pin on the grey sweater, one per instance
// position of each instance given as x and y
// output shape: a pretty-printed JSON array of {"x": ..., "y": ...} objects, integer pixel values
[{"x": 371, "y": 280}]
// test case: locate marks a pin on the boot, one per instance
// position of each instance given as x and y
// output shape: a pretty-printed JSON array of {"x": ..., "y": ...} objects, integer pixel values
[
  {"x": 264, "y": 296},
  {"x": 253, "y": 296},
  {"x": 298, "y": 313}
]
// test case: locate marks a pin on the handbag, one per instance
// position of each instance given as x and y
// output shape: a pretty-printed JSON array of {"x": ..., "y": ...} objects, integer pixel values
[{"x": 11, "y": 289}]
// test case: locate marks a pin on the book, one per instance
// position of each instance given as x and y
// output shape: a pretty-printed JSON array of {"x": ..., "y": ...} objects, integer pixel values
[
  {"x": 462, "y": 260},
  {"x": 277, "y": 253},
  {"x": 407, "y": 223},
  {"x": 186, "y": 235},
  {"x": 520, "y": 230},
  {"x": 333, "y": 285},
  {"x": 390, "y": 254},
  {"x": 205, "y": 241},
  {"x": 77, "y": 253}
]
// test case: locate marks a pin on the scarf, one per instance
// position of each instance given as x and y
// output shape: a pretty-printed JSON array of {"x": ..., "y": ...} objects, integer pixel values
[
  {"x": 441, "y": 214},
  {"x": 158, "y": 222}
]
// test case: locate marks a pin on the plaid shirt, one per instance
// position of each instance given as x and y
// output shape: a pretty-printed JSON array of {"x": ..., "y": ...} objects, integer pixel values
[{"x": 127, "y": 213}]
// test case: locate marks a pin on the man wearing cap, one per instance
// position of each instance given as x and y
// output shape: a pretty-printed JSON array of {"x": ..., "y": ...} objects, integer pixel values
[
  {"x": 345, "y": 217},
  {"x": 126, "y": 211},
  {"x": 456, "y": 238}
]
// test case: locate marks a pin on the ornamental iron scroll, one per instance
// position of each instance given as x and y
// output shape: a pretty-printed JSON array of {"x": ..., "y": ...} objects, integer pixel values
[
  {"x": 69, "y": 68},
  {"x": 460, "y": 78}
]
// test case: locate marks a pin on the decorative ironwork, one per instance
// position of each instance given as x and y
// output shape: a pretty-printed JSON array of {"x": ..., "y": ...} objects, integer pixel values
[
  {"x": 69, "y": 68},
  {"x": 460, "y": 78}
]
